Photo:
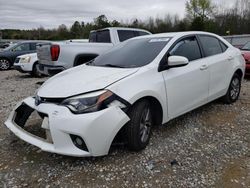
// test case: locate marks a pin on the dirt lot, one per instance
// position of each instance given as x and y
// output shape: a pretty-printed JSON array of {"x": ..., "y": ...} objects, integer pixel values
[{"x": 208, "y": 147}]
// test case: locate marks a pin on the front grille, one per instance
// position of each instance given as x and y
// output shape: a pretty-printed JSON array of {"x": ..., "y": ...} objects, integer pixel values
[
  {"x": 31, "y": 121},
  {"x": 52, "y": 100}
]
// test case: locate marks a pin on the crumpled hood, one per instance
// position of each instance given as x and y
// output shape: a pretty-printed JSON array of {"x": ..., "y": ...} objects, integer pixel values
[{"x": 82, "y": 79}]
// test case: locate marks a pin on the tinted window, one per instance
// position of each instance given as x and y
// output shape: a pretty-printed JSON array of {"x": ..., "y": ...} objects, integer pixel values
[
  {"x": 134, "y": 53},
  {"x": 211, "y": 45},
  {"x": 22, "y": 47},
  {"x": 32, "y": 46},
  {"x": 240, "y": 41},
  {"x": 100, "y": 37},
  {"x": 142, "y": 33},
  {"x": 188, "y": 48},
  {"x": 223, "y": 46},
  {"x": 247, "y": 46},
  {"x": 125, "y": 35}
]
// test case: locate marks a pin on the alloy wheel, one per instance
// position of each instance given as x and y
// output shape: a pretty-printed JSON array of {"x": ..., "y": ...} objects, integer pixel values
[
  {"x": 4, "y": 64},
  {"x": 235, "y": 88},
  {"x": 145, "y": 125}
]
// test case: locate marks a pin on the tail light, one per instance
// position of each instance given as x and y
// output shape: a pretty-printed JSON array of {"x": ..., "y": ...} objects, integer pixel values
[{"x": 54, "y": 51}]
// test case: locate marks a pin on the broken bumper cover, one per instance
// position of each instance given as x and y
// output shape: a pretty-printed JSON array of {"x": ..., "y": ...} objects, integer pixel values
[{"x": 97, "y": 129}]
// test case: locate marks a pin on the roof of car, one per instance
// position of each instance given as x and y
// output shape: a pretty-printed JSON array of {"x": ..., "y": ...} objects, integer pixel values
[
  {"x": 122, "y": 28},
  {"x": 179, "y": 34},
  {"x": 31, "y": 41}
]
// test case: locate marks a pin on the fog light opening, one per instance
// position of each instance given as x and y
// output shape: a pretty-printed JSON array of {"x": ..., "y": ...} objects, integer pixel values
[{"x": 79, "y": 142}]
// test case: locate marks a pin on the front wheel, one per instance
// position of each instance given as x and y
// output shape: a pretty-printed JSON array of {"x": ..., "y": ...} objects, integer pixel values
[
  {"x": 4, "y": 64},
  {"x": 233, "y": 92},
  {"x": 138, "y": 129}
]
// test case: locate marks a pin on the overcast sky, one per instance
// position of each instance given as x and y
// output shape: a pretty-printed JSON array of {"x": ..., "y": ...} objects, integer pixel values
[{"x": 28, "y": 14}]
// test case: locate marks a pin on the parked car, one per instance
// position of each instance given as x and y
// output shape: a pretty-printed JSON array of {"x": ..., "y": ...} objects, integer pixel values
[
  {"x": 142, "y": 82},
  {"x": 55, "y": 57},
  {"x": 246, "y": 54},
  {"x": 4, "y": 44},
  {"x": 27, "y": 64},
  {"x": 9, "y": 54},
  {"x": 238, "y": 41}
]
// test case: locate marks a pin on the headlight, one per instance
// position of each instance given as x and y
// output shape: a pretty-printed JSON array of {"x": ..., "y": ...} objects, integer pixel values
[
  {"x": 25, "y": 59},
  {"x": 93, "y": 102}
]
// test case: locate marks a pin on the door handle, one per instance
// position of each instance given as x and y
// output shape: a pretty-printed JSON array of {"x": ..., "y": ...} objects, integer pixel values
[
  {"x": 203, "y": 67},
  {"x": 230, "y": 57}
]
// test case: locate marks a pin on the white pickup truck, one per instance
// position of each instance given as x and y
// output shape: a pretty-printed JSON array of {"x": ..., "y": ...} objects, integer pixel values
[{"x": 55, "y": 57}]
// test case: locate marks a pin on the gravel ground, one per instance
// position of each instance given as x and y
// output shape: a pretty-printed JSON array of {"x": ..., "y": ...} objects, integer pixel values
[{"x": 208, "y": 147}]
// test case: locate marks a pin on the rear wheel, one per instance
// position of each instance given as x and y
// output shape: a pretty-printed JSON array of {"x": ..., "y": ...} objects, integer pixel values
[
  {"x": 4, "y": 64},
  {"x": 233, "y": 92},
  {"x": 35, "y": 71},
  {"x": 138, "y": 129}
]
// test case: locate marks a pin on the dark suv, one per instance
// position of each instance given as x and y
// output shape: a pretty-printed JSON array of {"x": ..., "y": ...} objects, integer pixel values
[{"x": 9, "y": 54}]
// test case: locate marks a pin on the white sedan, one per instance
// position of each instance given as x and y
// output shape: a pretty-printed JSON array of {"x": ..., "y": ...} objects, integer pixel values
[
  {"x": 142, "y": 82},
  {"x": 27, "y": 64}
]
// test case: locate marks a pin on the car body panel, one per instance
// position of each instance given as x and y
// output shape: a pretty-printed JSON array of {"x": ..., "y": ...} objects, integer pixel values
[
  {"x": 26, "y": 67},
  {"x": 246, "y": 55},
  {"x": 98, "y": 133},
  {"x": 79, "y": 81}
]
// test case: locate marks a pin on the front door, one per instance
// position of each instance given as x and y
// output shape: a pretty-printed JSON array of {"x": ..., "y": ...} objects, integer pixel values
[{"x": 187, "y": 87}]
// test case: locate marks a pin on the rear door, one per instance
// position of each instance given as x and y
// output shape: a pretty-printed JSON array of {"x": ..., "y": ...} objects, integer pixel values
[
  {"x": 187, "y": 87},
  {"x": 219, "y": 61}
]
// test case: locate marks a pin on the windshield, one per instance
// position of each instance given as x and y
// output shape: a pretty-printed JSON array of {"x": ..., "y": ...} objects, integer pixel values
[
  {"x": 11, "y": 45},
  {"x": 247, "y": 46},
  {"x": 132, "y": 53}
]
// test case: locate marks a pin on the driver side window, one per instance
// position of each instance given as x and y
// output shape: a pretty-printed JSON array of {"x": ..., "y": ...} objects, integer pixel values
[
  {"x": 22, "y": 47},
  {"x": 188, "y": 48}
]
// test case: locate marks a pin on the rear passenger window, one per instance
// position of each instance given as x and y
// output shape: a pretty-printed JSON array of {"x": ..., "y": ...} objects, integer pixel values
[
  {"x": 211, "y": 45},
  {"x": 142, "y": 33},
  {"x": 188, "y": 48},
  {"x": 102, "y": 36},
  {"x": 125, "y": 35}
]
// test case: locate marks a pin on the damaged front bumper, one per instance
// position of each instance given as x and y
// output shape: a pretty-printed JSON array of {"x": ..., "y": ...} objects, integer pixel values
[{"x": 95, "y": 131}]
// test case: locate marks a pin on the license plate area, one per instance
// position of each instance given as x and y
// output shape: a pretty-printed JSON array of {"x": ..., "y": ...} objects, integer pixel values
[{"x": 32, "y": 122}]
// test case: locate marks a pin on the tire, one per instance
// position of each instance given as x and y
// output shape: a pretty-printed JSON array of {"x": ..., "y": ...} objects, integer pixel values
[
  {"x": 5, "y": 64},
  {"x": 138, "y": 129},
  {"x": 233, "y": 92},
  {"x": 35, "y": 72}
]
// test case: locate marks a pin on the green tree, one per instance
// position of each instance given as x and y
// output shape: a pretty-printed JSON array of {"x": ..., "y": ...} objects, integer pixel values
[
  {"x": 101, "y": 22},
  {"x": 199, "y": 8},
  {"x": 76, "y": 30}
]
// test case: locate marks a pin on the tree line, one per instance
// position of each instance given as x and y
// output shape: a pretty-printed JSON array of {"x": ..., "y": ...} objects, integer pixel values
[{"x": 200, "y": 15}]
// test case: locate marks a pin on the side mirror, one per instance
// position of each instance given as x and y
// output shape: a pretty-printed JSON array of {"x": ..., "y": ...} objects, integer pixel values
[{"x": 177, "y": 61}]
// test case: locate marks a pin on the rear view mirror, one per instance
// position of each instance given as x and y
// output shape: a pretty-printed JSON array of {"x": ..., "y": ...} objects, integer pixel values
[{"x": 177, "y": 61}]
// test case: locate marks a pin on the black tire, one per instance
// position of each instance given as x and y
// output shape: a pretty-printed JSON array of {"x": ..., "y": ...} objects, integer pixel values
[
  {"x": 233, "y": 92},
  {"x": 4, "y": 64},
  {"x": 140, "y": 124},
  {"x": 35, "y": 72}
]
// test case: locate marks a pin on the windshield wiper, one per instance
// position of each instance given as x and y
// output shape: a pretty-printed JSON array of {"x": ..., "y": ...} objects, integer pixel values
[{"x": 111, "y": 65}]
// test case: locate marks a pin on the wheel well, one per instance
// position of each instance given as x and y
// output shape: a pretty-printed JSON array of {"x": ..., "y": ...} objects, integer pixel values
[
  {"x": 156, "y": 109},
  {"x": 84, "y": 58},
  {"x": 34, "y": 65},
  {"x": 7, "y": 60},
  {"x": 157, "y": 117},
  {"x": 239, "y": 72}
]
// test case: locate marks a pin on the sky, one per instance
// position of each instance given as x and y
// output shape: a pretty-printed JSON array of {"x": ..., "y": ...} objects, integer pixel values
[{"x": 29, "y": 14}]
